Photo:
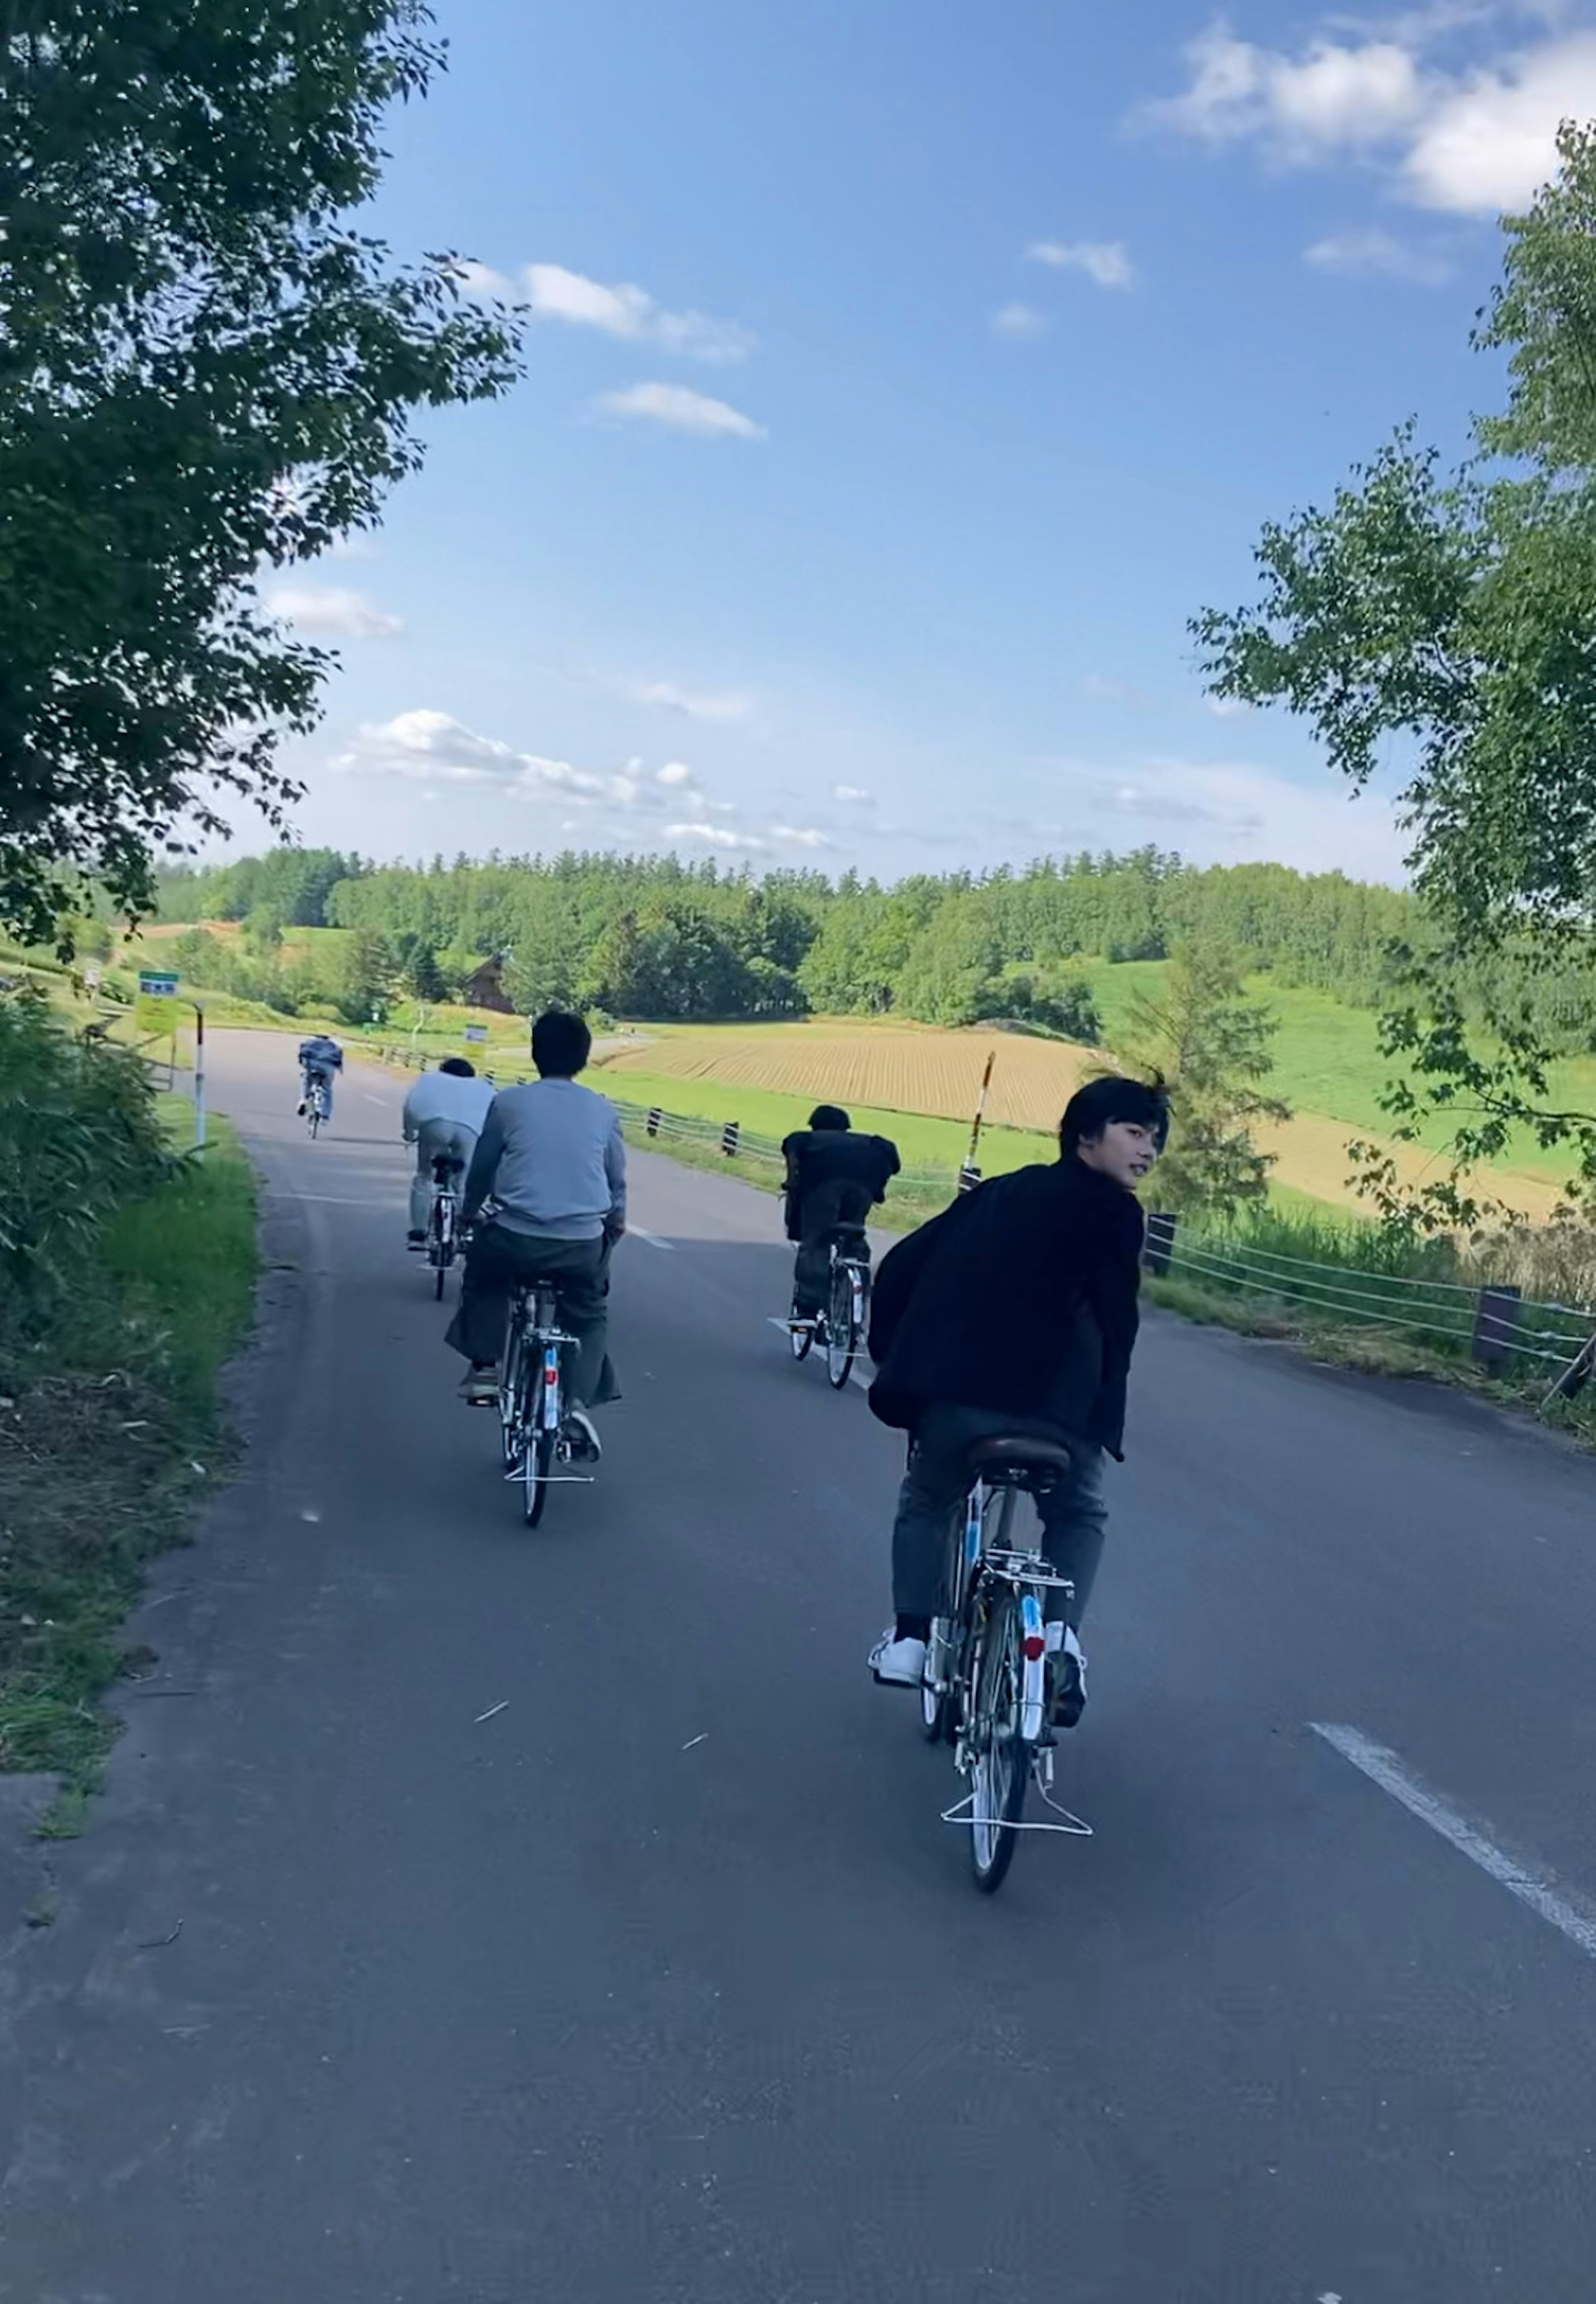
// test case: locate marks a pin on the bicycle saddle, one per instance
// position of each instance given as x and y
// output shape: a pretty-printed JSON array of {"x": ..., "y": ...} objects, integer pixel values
[
  {"x": 1024, "y": 1458},
  {"x": 446, "y": 1164}
]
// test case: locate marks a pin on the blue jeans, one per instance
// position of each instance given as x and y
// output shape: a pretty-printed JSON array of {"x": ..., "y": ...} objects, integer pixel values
[
  {"x": 311, "y": 1074},
  {"x": 1074, "y": 1515}
]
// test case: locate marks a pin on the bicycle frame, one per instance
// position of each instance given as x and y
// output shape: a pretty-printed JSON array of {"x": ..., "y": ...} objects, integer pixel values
[{"x": 532, "y": 1413}]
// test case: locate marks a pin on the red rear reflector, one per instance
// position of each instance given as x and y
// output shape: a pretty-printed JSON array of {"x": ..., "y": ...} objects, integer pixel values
[{"x": 1035, "y": 1646}]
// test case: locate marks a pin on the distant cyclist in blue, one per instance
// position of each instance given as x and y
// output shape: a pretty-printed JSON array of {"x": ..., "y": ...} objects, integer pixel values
[{"x": 320, "y": 1059}]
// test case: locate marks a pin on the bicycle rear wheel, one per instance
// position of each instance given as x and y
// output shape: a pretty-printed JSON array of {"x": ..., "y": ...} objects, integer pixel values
[
  {"x": 841, "y": 1342},
  {"x": 801, "y": 1338},
  {"x": 1001, "y": 1774},
  {"x": 538, "y": 1465}
]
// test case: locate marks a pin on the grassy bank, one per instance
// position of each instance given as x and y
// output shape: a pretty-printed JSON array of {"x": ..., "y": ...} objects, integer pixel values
[{"x": 114, "y": 1334}]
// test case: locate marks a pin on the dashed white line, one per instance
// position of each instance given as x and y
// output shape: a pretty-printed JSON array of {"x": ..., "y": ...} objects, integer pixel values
[
  {"x": 636, "y": 1232},
  {"x": 1383, "y": 1768}
]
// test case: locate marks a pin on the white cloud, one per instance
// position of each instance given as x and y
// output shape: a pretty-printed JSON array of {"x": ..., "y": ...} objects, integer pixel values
[
  {"x": 1492, "y": 142},
  {"x": 1227, "y": 812},
  {"x": 713, "y": 835},
  {"x": 1378, "y": 254},
  {"x": 694, "y": 704},
  {"x": 1227, "y": 707},
  {"x": 355, "y": 545},
  {"x": 856, "y": 793},
  {"x": 792, "y": 835},
  {"x": 431, "y": 746},
  {"x": 333, "y": 614},
  {"x": 683, "y": 410},
  {"x": 675, "y": 773},
  {"x": 629, "y": 312},
  {"x": 1333, "y": 96},
  {"x": 1020, "y": 322},
  {"x": 481, "y": 279},
  {"x": 1469, "y": 142},
  {"x": 1106, "y": 261}
]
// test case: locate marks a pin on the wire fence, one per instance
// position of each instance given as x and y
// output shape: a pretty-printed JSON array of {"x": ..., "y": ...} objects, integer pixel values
[{"x": 1493, "y": 1324}]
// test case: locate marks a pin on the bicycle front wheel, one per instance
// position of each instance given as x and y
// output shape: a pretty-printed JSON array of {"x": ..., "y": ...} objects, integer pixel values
[
  {"x": 1000, "y": 1773},
  {"x": 515, "y": 1410},
  {"x": 841, "y": 1341},
  {"x": 937, "y": 1702}
]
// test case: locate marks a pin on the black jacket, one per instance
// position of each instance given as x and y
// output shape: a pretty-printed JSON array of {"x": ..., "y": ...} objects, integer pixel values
[
  {"x": 834, "y": 1175},
  {"x": 1021, "y": 1297}
]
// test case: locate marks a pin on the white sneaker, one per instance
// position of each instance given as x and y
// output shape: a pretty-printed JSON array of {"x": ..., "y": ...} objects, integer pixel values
[
  {"x": 898, "y": 1664},
  {"x": 581, "y": 1437}
]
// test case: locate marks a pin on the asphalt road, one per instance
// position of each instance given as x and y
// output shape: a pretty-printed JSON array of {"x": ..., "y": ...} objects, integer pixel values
[{"x": 665, "y": 1982}]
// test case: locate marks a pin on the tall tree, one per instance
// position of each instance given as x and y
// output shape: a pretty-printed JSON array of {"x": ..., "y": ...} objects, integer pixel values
[
  {"x": 1211, "y": 1043},
  {"x": 1458, "y": 614},
  {"x": 206, "y": 367}
]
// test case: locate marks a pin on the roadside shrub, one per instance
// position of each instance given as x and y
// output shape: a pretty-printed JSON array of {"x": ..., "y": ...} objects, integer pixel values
[{"x": 78, "y": 1137}]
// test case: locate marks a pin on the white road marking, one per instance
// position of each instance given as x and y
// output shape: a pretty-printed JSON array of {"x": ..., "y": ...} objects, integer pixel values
[
  {"x": 636, "y": 1232},
  {"x": 1531, "y": 1888},
  {"x": 854, "y": 1375}
]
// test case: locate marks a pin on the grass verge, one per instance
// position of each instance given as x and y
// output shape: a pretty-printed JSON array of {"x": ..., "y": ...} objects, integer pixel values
[{"x": 110, "y": 1433}]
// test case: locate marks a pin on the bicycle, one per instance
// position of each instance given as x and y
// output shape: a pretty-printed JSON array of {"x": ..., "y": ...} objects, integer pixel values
[
  {"x": 532, "y": 1405},
  {"x": 841, "y": 1326},
  {"x": 443, "y": 1218},
  {"x": 987, "y": 1688},
  {"x": 318, "y": 1104}
]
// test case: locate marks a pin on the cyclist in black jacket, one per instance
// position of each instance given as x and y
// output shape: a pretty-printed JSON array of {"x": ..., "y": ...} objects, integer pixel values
[
  {"x": 1015, "y": 1312},
  {"x": 834, "y": 1178}
]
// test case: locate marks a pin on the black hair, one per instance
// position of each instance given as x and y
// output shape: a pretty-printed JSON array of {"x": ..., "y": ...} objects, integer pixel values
[
  {"x": 458, "y": 1068},
  {"x": 829, "y": 1115},
  {"x": 1095, "y": 1107},
  {"x": 561, "y": 1045}
]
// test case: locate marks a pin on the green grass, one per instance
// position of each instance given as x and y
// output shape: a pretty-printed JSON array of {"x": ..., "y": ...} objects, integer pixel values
[
  {"x": 1328, "y": 1059},
  {"x": 111, "y": 1438}
]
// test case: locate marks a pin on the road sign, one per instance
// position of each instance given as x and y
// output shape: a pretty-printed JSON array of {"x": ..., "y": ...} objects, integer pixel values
[
  {"x": 157, "y": 984},
  {"x": 476, "y": 1032}
]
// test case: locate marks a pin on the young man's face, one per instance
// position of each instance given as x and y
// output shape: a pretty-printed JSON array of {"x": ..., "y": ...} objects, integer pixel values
[{"x": 1125, "y": 1152}]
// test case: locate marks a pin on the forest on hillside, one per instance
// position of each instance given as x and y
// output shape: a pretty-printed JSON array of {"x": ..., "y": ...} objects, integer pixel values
[
  {"x": 656, "y": 938},
  {"x": 653, "y": 937}
]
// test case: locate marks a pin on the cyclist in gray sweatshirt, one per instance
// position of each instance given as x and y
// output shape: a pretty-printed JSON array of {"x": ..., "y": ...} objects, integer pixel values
[{"x": 551, "y": 1157}]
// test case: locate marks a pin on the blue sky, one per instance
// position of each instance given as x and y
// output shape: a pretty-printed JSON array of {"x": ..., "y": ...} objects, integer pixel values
[{"x": 900, "y": 377}]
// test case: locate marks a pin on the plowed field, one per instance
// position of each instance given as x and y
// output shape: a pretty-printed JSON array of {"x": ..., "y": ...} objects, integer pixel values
[{"x": 903, "y": 1068}]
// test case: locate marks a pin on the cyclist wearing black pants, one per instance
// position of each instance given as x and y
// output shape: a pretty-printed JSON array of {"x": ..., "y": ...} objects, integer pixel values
[
  {"x": 834, "y": 1178},
  {"x": 550, "y": 1154},
  {"x": 1015, "y": 1312}
]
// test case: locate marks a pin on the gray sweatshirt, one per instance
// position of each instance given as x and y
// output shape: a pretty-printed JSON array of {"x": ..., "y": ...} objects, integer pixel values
[{"x": 550, "y": 1154}]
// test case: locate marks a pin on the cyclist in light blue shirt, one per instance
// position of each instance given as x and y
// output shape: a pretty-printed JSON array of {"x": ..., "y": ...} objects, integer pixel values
[{"x": 320, "y": 1059}]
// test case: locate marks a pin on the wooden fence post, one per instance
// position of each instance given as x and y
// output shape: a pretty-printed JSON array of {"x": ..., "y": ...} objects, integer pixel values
[
  {"x": 1159, "y": 1247},
  {"x": 728, "y": 1136},
  {"x": 1495, "y": 1325}
]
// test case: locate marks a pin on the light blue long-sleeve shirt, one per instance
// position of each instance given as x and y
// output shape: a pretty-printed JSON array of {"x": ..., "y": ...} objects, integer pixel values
[{"x": 551, "y": 1155}]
